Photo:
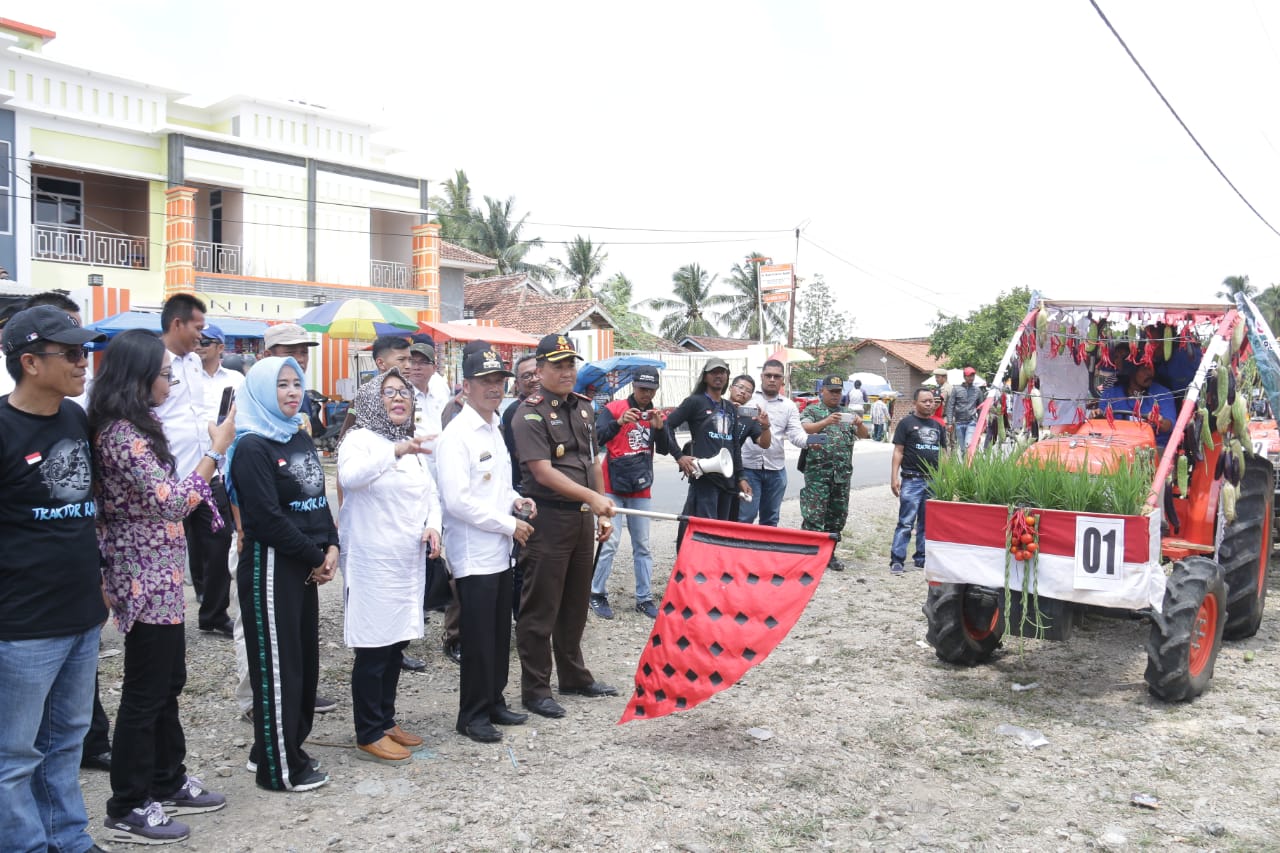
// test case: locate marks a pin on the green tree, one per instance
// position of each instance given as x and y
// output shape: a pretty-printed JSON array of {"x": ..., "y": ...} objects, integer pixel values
[
  {"x": 583, "y": 265},
  {"x": 822, "y": 330},
  {"x": 980, "y": 339},
  {"x": 685, "y": 313},
  {"x": 498, "y": 237},
  {"x": 455, "y": 211},
  {"x": 743, "y": 316},
  {"x": 1233, "y": 284},
  {"x": 631, "y": 326},
  {"x": 1268, "y": 302}
]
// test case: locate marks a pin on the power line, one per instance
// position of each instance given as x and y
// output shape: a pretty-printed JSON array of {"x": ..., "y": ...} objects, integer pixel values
[
  {"x": 440, "y": 214},
  {"x": 1165, "y": 100},
  {"x": 871, "y": 274}
]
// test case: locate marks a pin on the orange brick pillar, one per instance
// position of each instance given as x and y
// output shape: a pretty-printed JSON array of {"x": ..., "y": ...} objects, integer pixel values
[
  {"x": 179, "y": 241},
  {"x": 426, "y": 268}
]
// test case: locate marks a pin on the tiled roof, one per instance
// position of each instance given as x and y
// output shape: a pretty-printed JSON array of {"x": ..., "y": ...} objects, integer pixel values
[
  {"x": 517, "y": 303},
  {"x": 481, "y": 294},
  {"x": 539, "y": 315},
  {"x": 714, "y": 344},
  {"x": 454, "y": 252},
  {"x": 913, "y": 352}
]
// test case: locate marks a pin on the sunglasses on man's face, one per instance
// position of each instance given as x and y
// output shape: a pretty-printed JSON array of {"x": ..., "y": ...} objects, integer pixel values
[{"x": 207, "y": 342}]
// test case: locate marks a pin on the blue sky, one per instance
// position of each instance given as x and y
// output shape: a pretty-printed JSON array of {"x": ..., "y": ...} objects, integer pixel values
[{"x": 943, "y": 151}]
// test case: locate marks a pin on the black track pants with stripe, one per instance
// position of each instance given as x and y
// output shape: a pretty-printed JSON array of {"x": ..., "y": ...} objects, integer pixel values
[{"x": 281, "y": 616}]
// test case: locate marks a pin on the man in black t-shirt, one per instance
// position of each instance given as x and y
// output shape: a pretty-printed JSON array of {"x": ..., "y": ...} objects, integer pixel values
[
  {"x": 51, "y": 605},
  {"x": 916, "y": 444},
  {"x": 712, "y": 421}
]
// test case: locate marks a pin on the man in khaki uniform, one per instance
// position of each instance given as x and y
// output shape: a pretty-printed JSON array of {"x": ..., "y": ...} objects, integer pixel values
[{"x": 554, "y": 436}]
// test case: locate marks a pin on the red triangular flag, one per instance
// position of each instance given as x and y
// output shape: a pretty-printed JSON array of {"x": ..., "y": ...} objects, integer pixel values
[{"x": 734, "y": 593}]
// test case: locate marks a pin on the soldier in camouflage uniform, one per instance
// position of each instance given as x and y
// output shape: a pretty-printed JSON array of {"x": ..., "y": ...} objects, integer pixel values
[{"x": 824, "y": 500}]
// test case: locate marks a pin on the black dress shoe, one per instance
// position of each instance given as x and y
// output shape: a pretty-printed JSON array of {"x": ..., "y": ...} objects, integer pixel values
[
  {"x": 480, "y": 731},
  {"x": 504, "y": 716},
  {"x": 101, "y": 761},
  {"x": 412, "y": 664},
  {"x": 545, "y": 707},
  {"x": 453, "y": 651},
  {"x": 594, "y": 690}
]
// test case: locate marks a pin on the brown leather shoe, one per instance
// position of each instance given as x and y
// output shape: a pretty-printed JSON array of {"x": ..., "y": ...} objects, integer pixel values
[
  {"x": 385, "y": 751},
  {"x": 403, "y": 738}
]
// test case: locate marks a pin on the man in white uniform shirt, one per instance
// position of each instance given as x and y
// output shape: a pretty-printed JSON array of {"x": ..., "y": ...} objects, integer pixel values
[
  {"x": 474, "y": 475},
  {"x": 186, "y": 418},
  {"x": 430, "y": 391},
  {"x": 766, "y": 469}
]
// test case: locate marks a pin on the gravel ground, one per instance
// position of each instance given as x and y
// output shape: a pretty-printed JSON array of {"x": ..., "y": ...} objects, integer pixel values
[{"x": 875, "y": 744}]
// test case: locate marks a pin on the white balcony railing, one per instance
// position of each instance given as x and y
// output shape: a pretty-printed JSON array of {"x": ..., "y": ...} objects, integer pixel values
[
  {"x": 78, "y": 246},
  {"x": 388, "y": 274},
  {"x": 217, "y": 257}
]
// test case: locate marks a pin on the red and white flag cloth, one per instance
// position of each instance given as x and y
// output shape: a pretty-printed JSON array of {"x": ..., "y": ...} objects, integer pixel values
[
  {"x": 735, "y": 591},
  {"x": 965, "y": 543}
]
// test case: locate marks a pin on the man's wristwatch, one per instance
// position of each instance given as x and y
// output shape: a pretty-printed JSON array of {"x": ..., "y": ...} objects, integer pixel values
[{"x": 218, "y": 458}]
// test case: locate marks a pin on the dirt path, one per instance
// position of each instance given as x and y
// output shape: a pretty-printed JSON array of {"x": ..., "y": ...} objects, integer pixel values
[{"x": 875, "y": 744}]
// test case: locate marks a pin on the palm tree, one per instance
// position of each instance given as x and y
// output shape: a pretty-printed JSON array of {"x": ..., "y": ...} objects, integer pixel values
[
  {"x": 495, "y": 235},
  {"x": 454, "y": 210},
  {"x": 584, "y": 264},
  {"x": 744, "y": 317},
  {"x": 1233, "y": 284},
  {"x": 1268, "y": 302},
  {"x": 685, "y": 313}
]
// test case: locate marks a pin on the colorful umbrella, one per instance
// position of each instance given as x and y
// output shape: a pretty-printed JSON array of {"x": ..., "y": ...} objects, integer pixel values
[{"x": 354, "y": 319}]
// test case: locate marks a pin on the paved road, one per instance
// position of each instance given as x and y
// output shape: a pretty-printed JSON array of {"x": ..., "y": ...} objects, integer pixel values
[{"x": 870, "y": 468}]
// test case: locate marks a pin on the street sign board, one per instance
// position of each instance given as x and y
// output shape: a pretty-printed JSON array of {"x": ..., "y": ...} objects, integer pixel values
[
  {"x": 775, "y": 277},
  {"x": 775, "y": 296}
]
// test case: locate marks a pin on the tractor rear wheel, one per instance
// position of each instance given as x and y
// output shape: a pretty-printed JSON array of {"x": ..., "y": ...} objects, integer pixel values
[
  {"x": 965, "y": 622},
  {"x": 1187, "y": 633},
  {"x": 1245, "y": 553}
]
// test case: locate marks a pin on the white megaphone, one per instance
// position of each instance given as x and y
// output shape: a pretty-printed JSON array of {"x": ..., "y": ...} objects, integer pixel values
[{"x": 721, "y": 463}]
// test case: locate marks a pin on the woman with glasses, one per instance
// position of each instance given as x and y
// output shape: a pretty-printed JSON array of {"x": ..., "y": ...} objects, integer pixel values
[
  {"x": 290, "y": 547},
  {"x": 141, "y": 506},
  {"x": 390, "y": 524}
]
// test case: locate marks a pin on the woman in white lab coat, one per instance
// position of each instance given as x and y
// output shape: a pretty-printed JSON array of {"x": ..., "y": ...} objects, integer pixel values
[{"x": 390, "y": 520}]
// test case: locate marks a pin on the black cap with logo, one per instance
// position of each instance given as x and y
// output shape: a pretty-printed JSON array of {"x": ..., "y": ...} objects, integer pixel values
[
  {"x": 646, "y": 377},
  {"x": 483, "y": 362},
  {"x": 556, "y": 348},
  {"x": 833, "y": 381},
  {"x": 45, "y": 323}
]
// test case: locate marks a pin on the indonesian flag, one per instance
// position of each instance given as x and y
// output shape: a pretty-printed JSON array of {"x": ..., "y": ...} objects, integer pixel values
[
  {"x": 1101, "y": 559},
  {"x": 734, "y": 593}
]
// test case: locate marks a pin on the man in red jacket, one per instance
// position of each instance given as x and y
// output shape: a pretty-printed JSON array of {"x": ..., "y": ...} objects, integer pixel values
[{"x": 629, "y": 432}]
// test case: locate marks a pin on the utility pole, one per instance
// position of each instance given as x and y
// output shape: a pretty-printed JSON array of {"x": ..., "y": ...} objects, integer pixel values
[{"x": 795, "y": 294}]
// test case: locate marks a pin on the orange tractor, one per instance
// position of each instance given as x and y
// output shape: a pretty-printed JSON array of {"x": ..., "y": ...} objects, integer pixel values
[{"x": 1096, "y": 387}]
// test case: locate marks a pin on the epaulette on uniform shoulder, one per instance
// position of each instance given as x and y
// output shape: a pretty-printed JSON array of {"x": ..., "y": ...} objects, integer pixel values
[
  {"x": 580, "y": 396},
  {"x": 533, "y": 399}
]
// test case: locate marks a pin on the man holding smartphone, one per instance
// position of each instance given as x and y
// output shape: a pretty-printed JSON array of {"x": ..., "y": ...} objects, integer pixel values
[{"x": 629, "y": 432}]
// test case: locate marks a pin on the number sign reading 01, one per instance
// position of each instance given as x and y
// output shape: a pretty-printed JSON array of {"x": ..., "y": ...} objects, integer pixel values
[{"x": 1099, "y": 552}]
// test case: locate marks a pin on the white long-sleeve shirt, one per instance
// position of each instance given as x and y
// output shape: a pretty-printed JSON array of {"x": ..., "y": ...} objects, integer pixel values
[
  {"x": 784, "y": 423},
  {"x": 474, "y": 473},
  {"x": 186, "y": 427},
  {"x": 386, "y": 504}
]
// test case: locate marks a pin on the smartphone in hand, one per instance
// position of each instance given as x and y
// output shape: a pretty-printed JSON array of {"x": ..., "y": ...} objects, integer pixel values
[
  {"x": 816, "y": 438},
  {"x": 224, "y": 406}
]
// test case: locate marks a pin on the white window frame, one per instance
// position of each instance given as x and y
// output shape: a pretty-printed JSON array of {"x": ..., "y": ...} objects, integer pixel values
[{"x": 6, "y": 185}]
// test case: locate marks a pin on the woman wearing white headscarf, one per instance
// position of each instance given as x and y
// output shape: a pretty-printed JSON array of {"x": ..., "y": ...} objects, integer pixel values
[
  {"x": 290, "y": 546},
  {"x": 390, "y": 519}
]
